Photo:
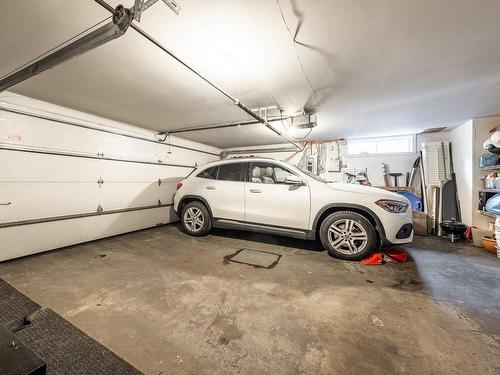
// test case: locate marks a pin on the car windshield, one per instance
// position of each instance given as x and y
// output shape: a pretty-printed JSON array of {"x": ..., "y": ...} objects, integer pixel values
[{"x": 312, "y": 175}]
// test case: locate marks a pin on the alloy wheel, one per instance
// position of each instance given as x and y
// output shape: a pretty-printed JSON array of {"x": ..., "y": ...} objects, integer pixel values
[
  {"x": 193, "y": 219},
  {"x": 347, "y": 236}
]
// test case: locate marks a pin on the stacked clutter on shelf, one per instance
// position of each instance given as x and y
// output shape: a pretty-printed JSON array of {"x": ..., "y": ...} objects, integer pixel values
[
  {"x": 489, "y": 198},
  {"x": 493, "y": 206}
]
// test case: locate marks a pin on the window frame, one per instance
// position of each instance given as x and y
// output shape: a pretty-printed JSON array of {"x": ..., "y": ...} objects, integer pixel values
[
  {"x": 251, "y": 164},
  {"x": 411, "y": 137},
  {"x": 242, "y": 171},
  {"x": 206, "y": 169}
]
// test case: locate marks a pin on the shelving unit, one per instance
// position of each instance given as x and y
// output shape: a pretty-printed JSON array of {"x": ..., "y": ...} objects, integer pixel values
[
  {"x": 491, "y": 168},
  {"x": 490, "y": 190}
]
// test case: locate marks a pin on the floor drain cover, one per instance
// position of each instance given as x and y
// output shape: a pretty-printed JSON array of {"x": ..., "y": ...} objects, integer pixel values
[{"x": 254, "y": 258}]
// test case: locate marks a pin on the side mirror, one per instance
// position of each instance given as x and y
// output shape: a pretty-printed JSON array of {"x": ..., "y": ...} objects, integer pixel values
[{"x": 293, "y": 180}]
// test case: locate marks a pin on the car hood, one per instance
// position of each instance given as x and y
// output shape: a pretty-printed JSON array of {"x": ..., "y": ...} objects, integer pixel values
[{"x": 368, "y": 190}]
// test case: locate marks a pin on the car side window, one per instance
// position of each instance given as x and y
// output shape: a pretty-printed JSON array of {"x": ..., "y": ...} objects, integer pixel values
[
  {"x": 231, "y": 172},
  {"x": 268, "y": 173},
  {"x": 209, "y": 173}
]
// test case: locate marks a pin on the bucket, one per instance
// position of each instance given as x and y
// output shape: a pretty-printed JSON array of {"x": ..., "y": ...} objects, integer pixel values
[{"x": 478, "y": 234}]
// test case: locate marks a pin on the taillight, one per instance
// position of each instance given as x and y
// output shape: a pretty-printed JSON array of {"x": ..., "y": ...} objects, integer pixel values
[{"x": 179, "y": 185}]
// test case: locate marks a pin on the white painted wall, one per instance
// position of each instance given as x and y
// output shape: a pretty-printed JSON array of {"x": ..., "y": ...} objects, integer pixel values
[
  {"x": 397, "y": 163},
  {"x": 42, "y": 185}
]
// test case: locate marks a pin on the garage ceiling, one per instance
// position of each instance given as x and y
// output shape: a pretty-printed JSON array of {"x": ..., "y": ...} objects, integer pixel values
[{"x": 377, "y": 67}]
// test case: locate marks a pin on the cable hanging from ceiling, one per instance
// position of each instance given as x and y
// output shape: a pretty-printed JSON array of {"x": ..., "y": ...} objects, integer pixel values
[
  {"x": 122, "y": 19},
  {"x": 235, "y": 101},
  {"x": 293, "y": 37}
]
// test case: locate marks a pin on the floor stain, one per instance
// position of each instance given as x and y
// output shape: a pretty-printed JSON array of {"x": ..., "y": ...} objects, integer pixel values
[{"x": 230, "y": 258}]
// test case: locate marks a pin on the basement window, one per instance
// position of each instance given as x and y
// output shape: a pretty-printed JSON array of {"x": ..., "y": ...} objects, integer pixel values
[{"x": 404, "y": 144}]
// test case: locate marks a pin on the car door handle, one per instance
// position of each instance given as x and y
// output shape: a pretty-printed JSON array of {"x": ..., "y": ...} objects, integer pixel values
[
  {"x": 255, "y": 191},
  {"x": 211, "y": 187}
]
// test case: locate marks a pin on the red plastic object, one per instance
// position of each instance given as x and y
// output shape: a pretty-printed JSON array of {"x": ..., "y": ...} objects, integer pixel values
[
  {"x": 468, "y": 232},
  {"x": 392, "y": 256},
  {"x": 374, "y": 260},
  {"x": 398, "y": 255}
]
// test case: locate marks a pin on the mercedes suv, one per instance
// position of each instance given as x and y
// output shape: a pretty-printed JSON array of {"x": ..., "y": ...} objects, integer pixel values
[{"x": 271, "y": 196}]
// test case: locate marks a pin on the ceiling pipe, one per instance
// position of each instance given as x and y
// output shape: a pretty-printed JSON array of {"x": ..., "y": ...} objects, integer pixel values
[
  {"x": 223, "y": 154},
  {"x": 221, "y": 126}
]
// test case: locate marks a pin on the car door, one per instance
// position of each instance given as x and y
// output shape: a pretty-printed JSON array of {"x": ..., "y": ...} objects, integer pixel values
[
  {"x": 223, "y": 189},
  {"x": 271, "y": 201}
]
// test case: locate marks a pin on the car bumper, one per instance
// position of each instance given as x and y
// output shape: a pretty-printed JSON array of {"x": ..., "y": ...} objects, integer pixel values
[{"x": 398, "y": 228}]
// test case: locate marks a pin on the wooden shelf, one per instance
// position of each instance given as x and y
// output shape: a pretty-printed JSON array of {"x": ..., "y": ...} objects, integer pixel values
[
  {"x": 491, "y": 168},
  {"x": 490, "y": 190}
]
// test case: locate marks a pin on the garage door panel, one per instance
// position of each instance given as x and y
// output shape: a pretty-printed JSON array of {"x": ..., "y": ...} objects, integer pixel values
[
  {"x": 138, "y": 172},
  {"x": 167, "y": 191},
  {"x": 44, "y": 184},
  {"x": 178, "y": 156},
  {"x": 129, "y": 172},
  {"x": 29, "y": 131},
  {"x": 18, "y": 241},
  {"x": 123, "y": 195},
  {"x": 172, "y": 173},
  {"x": 39, "y": 200},
  {"x": 25, "y": 166}
]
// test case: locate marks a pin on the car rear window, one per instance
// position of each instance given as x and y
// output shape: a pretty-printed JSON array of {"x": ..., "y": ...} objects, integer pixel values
[{"x": 209, "y": 173}]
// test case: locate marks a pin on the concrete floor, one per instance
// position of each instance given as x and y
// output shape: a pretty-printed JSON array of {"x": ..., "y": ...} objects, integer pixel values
[{"x": 170, "y": 304}]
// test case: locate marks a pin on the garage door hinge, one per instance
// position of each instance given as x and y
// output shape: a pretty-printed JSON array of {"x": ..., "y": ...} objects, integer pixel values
[
  {"x": 99, "y": 209},
  {"x": 159, "y": 182},
  {"x": 101, "y": 154},
  {"x": 159, "y": 161},
  {"x": 159, "y": 202},
  {"x": 100, "y": 181}
]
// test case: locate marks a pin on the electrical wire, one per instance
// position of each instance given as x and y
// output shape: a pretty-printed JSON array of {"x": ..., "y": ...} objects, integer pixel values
[
  {"x": 171, "y": 54},
  {"x": 56, "y": 47},
  {"x": 296, "y": 51}
]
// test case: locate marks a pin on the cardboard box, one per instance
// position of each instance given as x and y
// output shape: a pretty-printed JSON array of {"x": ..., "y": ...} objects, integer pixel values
[{"x": 420, "y": 223}]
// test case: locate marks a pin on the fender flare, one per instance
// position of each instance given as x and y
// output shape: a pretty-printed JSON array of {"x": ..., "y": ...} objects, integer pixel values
[
  {"x": 198, "y": 198},
  {"x": 378, "y": 223}
]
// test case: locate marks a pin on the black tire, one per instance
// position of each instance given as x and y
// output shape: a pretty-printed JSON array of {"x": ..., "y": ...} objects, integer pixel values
[
  {"x": 195, "y": 228},
  {"x": 348, "y": 235}
]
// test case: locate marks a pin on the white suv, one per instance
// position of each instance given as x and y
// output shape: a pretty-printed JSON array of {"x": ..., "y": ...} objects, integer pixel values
[{"x": 271, "y": 196}]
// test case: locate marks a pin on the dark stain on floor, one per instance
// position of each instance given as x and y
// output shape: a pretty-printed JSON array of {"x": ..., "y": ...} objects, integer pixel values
[{"x": 234, "y": 258}]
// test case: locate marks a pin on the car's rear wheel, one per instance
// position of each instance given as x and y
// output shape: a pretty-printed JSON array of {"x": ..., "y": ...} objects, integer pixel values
[
  {"x": 196, "y": 219},
  {"x": 348, "y": 235}
]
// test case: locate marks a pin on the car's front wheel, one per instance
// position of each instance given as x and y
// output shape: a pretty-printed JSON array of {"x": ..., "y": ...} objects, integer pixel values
[
  {"x": 348, "y": 235},
  {"x": 196, "y": 219}
]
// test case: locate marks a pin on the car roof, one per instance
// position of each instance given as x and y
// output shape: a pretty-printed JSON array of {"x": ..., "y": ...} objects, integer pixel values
[{"x": 239, "y": 160}]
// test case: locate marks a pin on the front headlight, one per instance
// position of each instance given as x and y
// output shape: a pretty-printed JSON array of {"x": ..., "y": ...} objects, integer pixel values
[{"x": 396, "y": 207}]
